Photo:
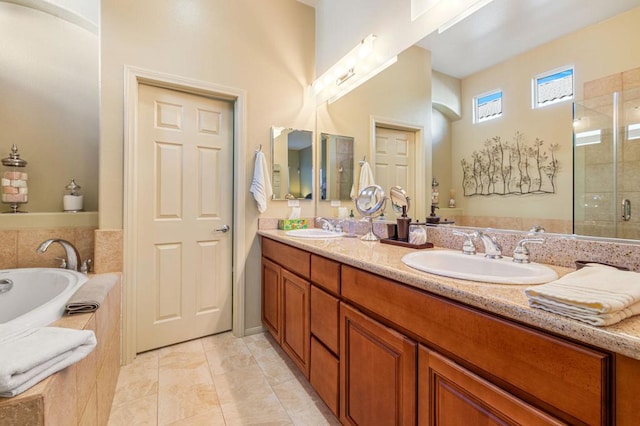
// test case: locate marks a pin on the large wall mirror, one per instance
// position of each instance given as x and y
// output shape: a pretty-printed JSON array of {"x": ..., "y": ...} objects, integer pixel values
[
  {"x": 336, "y": 167},
  {"x": 50, "y": 104},
  {"x": 291, "y": 163},
  {"x": 430, "y": 95}
]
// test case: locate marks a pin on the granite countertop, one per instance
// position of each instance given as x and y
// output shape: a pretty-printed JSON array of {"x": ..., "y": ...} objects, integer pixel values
[{"x": 508, "y": 301}]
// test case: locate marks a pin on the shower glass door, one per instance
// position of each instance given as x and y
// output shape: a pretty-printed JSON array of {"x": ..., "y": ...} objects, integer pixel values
[{"x": 607, "y": 166}]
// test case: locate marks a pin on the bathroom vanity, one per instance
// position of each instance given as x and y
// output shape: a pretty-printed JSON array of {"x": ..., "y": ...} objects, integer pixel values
[{"x": 384, "y": 344}]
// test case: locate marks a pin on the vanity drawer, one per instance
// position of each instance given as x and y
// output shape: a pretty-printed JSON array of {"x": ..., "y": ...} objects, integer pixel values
[
  {"x": 563, "y": 378},
  {"x": 326, "y": 274},
  {"x": 325, "y": 317},
  {"x": 325, "y": 374},
  {"x": 295, "y": 260}
]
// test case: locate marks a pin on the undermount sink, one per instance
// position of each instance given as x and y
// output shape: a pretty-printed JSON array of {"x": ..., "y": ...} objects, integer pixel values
[
  {"x": 454, "y": 264},
  {"x": 313, "y": 233}
]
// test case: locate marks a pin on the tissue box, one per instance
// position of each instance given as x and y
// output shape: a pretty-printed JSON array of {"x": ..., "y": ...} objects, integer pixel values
[{"x": 289, "y": 224}]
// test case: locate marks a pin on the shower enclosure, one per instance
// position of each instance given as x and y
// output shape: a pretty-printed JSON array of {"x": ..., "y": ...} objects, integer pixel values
[{"x": 606, "y": 184}]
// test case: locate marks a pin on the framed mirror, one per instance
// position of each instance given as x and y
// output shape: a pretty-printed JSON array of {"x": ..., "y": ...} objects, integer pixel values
[
  {"x": 431, "y": 79},
  {"x": 336, "y": 167},
  {"x": 291, "y": 163}
]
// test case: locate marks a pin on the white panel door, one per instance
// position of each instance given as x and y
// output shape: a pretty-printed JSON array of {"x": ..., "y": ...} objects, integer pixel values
[
  {"x": 184, "y": 175},
  {"x": 395, "y": 160}
]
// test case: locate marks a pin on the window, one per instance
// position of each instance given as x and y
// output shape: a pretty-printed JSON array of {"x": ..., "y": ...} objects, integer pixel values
[
  {"x": 553, "y": 87},
  {"x": 590, "y": 137},
  {"x": 487, "y": 106},
  {"x": 633, "y": 131}
]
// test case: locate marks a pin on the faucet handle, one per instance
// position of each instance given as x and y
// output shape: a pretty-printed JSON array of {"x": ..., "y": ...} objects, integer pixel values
[
  {"x": 63, "y": 262},
  {"x": 521, "y": 252},
  {"x": 86, "y": 266},
  {"x": 467, "y": 247}
]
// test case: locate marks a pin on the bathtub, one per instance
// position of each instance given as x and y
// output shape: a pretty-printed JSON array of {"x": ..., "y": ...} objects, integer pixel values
[{"x": 36, "y": 296}]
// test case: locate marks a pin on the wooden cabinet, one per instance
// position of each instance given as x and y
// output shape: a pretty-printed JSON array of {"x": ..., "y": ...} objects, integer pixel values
[
  {"x": 325, "y": 305},
  {"x": 381, "y": 352},
  {"x": 296, "y": 335},
  {"x": 286, "y": 300},
  {"x": 271, "y": 299},
  {"x": 377, "y": 372},
  {"x": 565, "y": 379},
  {"x": 448, "y": 394}
]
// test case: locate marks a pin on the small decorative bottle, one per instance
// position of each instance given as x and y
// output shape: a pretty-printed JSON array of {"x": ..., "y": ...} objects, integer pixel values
[
  {"x": 73, "y": 200},
  {"x": 14, "y": 181}
]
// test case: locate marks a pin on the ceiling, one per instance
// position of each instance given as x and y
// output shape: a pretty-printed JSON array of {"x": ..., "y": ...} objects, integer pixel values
[{"x": 505, "y": 28}]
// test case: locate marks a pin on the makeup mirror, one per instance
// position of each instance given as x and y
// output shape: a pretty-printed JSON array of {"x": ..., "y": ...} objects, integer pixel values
[
  {"x": 399, "y": 199},
  {"x": 370, "y": 204}
]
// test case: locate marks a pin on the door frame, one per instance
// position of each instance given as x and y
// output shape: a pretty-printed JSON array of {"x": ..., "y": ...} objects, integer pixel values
[
  {"x": 133, "y": 77},
  {"x": 418, "y": 199}
]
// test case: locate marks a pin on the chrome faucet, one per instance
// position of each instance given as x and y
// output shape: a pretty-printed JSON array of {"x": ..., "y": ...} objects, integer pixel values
[
  {"x": 492, "y": 248},
  {"x": 72, "y": 255},
  {"x": 521, "y": 252},
  {"x": 327, "y": 225}
]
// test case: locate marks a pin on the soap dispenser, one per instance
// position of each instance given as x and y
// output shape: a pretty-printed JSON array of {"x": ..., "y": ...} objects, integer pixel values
[
  {"x": 351, "y": 225},
  {"x": 72, "y": 201},
  {"x": 403, "y": 225}
]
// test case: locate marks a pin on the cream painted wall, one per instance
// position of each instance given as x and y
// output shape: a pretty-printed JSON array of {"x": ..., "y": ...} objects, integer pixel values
[
  {"x": 402, "y": 93},
  {"x": 596, "y": 51},
  {"x": 441, "y": 141},
  {"x": 264, "y": 48},
  {"x": 49, "y": 108}
]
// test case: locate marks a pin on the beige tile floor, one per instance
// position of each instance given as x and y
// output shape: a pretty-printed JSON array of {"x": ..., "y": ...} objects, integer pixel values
[{"x": 216, "y": 380}]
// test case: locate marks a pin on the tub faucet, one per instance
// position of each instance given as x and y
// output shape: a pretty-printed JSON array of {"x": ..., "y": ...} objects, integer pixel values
[
  {"x": 72, "y": 255},
  {"x": 492, "y": 248}
]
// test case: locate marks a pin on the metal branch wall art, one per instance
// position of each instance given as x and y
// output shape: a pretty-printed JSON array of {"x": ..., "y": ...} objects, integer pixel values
[{"x": 511, "y": 168}]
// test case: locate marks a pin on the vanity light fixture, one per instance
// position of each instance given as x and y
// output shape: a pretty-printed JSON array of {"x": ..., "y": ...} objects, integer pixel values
[
  {"x": 468, "y": 12},
  {"x": 357, "y": 66}
]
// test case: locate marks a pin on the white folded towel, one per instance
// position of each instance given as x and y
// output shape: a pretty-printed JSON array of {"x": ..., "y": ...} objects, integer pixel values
[
  {"x": 261, "y": 183},
  {"x": 29, "y": 355},
  {"x": 366, "y": 179},
  {"x": 596, "y": 294}
]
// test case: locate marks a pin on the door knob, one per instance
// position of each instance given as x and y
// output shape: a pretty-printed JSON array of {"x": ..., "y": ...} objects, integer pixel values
[{"x": 225, "y": 228}]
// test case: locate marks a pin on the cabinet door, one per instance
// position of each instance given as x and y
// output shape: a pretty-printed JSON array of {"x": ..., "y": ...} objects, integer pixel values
[
  {"x": 324, "y": 375},
  {"x": 377, "y": 372},
  {"x": 451, "y": 395},
  {"x": 271, "y": 312},
  {"x": 296, "y": 333}
]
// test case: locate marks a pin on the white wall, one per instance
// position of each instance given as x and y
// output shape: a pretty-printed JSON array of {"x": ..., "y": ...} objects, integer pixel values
[
  {"x": 340, "y": 25},
  {"x": 265, "y": 48}
]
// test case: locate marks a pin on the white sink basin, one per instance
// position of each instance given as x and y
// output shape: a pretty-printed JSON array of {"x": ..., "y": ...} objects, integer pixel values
[
  {"x": 316, "y": 233},
  {"x": 478, "y": 268}
]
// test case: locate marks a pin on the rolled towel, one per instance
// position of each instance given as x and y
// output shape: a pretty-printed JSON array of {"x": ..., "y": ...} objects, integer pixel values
[
  {"x": 598, "y": 294},
  {"x": 29, "y": 355},
  {"x": 91, "y": 294}
]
